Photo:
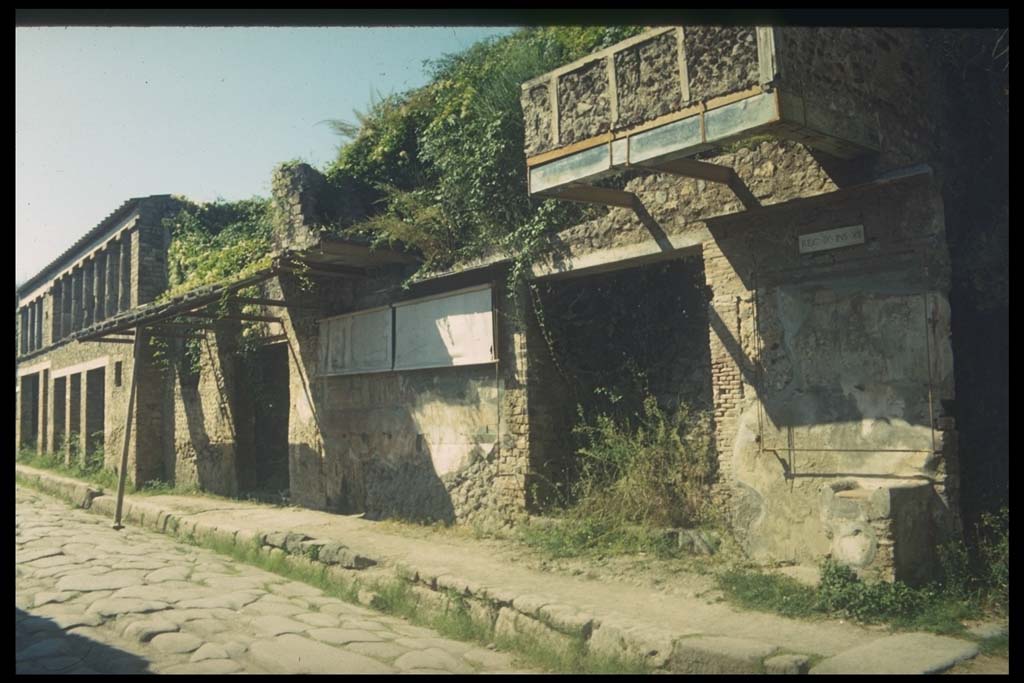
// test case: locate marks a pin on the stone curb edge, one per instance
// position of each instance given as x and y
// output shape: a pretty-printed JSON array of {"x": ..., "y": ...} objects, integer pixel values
[{"x": 538, "y": 617}]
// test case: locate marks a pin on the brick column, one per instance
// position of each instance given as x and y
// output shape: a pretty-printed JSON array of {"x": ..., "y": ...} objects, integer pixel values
[
  {"x": 125, "y": 281},
  {"x": 113, "y": 273},
  {"x": 80, "y": 428},
  {"x": 88, "y": 303},
  {"x": 100, "y": 286},
  {"x": 69, "y": 427}
]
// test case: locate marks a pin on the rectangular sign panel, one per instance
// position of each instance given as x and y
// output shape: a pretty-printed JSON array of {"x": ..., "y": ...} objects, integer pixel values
[
  {"x": 455, "y": 329},
  {"x": 832, "y": 239},
  {"x": 359, "y": 342}
]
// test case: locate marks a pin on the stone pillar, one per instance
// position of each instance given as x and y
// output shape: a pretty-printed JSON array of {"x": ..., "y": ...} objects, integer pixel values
[
  {"x": 69, "y": 426},
  {"x": 79, "y": 427},
  {"x": 88, "y": 303},
  {"x": 125, "y": 281},
  {"x": 100, "y": 286},
  {"x": 113, "y": 273},
  {"x": 57, "y": 297},
  {"x": 44, "y": 395}
]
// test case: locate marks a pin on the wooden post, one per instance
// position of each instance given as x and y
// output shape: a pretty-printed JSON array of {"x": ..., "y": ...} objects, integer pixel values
[{"x": 123, "y": 474}]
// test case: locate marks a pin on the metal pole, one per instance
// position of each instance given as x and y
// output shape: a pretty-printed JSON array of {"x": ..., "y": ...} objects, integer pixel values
[{"x": 123, "y": 474}]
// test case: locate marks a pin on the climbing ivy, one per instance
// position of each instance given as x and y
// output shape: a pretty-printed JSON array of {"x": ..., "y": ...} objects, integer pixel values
[
  {"x": 216, "y": 242},
  {"x": 443, "y": 165}
]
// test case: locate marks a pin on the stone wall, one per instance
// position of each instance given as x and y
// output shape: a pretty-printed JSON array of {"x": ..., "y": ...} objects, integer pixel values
[
  {"x": 432, "y": 444},
  {"x": 195, "y": 416},
  {"x": 72, "y": 363}
]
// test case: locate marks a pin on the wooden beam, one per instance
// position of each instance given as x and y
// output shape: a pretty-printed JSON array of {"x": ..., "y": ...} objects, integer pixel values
[
  {"x": 691, "y": 168},
  {"x": 589, "y": 194},
  {"x": 713, "y": 173},
  {"x": 270, "y": 302},
  {"x": 243, "y": 318},
  {"x": 114, "y": 340},
  {"x": 123, "y": 474}
]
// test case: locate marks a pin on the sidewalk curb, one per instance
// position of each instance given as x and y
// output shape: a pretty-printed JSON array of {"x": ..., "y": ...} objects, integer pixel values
[{"x": 540, "y": 618}]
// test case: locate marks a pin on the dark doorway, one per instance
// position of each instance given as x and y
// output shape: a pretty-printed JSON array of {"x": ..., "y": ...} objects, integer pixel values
[
  {"x": 263, "y": 465},
  {"x": 95, "y": 412},
  {"x": 29, "y": 411},
  {"x": 60, "y": 418}
]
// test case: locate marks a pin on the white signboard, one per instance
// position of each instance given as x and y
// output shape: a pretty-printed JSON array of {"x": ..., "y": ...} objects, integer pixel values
[
  {"x": 358, "y": 342},
  {"x": 832, "y": 239},
  {"x": 448, "y": 330}
]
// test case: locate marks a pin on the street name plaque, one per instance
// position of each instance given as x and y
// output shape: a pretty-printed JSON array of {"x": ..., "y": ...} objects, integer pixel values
[{"x": 832, "y": 239}]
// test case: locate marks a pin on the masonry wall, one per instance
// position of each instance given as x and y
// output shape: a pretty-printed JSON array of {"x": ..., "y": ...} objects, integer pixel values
[
  {"x": 128, "y": 271},
  {"x": 432, "y": 444},
  {"x": 197, "y": 429},
  {"x": 72, "y": 363}
]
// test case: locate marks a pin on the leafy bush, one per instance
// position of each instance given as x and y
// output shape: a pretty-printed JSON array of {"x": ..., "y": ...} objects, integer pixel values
[
  {"x": 635, "y": 479},
  {"x": 444, "y": 164},
  {"x": 842, "y": 592},
  {"x": 217, "y": 241},
  {"x": 655, "y": 472},
  {"x": 994, "y": 555}
]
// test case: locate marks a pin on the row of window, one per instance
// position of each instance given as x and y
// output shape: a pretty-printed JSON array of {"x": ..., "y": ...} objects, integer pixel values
[{"x": 443, "y": 331}]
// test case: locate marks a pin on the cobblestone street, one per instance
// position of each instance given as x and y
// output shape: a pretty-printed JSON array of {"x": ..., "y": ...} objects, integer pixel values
[{"x": 93, "y": 600}]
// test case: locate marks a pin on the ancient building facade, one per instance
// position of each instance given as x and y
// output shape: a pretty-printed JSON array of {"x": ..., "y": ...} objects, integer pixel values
[
  {"x": 778, "y": 184},
  {"x": 72, "y": 397},
  {"x": 807, "y": 170}
]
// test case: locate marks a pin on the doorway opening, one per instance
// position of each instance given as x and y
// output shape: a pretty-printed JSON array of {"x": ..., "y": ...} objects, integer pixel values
[{"x": 264, "y": 402}]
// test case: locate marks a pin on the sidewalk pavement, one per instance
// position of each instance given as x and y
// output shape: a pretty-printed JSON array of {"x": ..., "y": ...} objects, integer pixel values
[{"x": 671, "y": 633}]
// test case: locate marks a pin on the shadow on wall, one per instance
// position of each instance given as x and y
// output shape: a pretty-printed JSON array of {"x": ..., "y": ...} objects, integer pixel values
[
  {"x": 415, "y": 444},
  {"x": 43, "y": 647},
  {"x": 206, "y": 406}
]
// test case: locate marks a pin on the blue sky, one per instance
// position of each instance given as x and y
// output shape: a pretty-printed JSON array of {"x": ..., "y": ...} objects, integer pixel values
[{"x": 104, "y": 114}]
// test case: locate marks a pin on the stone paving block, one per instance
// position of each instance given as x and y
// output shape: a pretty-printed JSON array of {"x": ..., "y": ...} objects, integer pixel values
[
  {"x": 431, "y": 659},
  {"x": 343, "y": 636},
  {"x": 47, "y": 597},
  {"x": 295, "y": 589},
  {"x": 294, "y": 654},
  {"x": 719, "y": 654},
  {"x": 271, "y": 608},
  {"x": 176, "y": 643},
  {"x": 905, "y": 653},
  {"x": 110, "y": 607},
  {"x": 317, "y": 619},
  {"x": 209, "y": 651},
  {"x": 168, "y": 574},
  {"x": 274, "y": 625},
  {"x": 97, "y": 582},
  {"x": 206, "y": 627},
  {"x": 382, "y": 651},
  {"x": 145, "y": 630}
]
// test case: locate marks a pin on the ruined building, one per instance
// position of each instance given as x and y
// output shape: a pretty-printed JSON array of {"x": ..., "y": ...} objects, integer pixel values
[{"x": 784, "y": 201}]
